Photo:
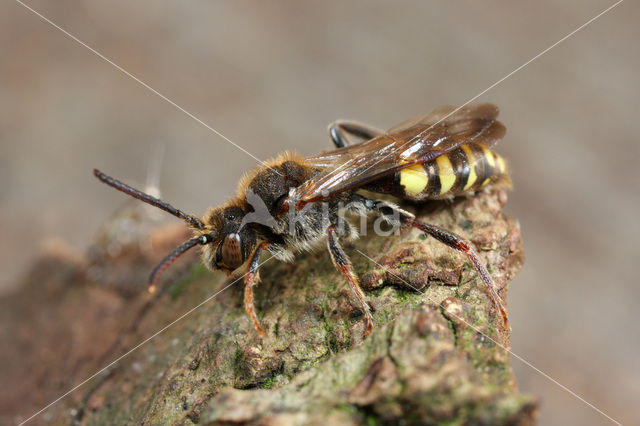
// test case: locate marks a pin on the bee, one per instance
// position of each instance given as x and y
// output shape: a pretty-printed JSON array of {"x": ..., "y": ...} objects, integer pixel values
[{"x": 294, "y": 204}]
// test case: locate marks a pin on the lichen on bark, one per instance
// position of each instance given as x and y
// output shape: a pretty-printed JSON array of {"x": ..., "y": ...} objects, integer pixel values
[{"x": 437, "y": 354}]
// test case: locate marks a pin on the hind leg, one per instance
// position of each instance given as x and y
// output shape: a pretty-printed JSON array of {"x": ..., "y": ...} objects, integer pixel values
[
  {"x": 450, "y": 239},
  {"x": 338, "y": 130}
]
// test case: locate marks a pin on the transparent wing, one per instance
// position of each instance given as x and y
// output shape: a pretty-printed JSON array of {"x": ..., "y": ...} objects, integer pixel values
[
  {"x": 448, "y": 114},
  {"x": 415, "y": 141}
]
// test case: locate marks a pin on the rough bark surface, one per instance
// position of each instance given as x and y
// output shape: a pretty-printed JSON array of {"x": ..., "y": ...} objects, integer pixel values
[{"x": 436, "y": 354}]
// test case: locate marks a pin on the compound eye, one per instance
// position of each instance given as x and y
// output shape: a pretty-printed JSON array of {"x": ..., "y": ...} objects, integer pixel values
[{"x": 232, "y": 251}]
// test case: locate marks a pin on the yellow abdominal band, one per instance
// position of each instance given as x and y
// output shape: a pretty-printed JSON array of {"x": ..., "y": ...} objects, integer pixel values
[
  {"x": 445, "y": 173},
  {"x": 414, "y": 179}
]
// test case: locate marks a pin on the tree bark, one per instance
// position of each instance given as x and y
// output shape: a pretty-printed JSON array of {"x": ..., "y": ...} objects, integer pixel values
[{"x": 437, "y": 353}]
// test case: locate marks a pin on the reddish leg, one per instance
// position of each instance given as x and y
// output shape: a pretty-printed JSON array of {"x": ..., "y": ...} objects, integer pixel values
[
  {"x": 453, "y": 241},
  {"x": 251, "y": 279},
  {"x": 459, "y": 243},
  {"x": 342, "y": 263}
]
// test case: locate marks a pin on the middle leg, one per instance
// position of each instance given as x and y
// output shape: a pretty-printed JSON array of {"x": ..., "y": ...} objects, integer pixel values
[{"x": 342, "y": 264}]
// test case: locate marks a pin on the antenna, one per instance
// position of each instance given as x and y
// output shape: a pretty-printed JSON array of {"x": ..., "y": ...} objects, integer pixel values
[
  {"x": 149, "y": 199},
  {"x": 171, "y": 257}
]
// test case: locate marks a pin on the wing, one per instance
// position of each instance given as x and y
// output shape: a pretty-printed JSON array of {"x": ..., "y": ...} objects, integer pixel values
[{"x": 416, "y": 141}]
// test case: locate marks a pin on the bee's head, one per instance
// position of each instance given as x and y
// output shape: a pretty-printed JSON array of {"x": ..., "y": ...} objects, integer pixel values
[
  {"x": 226, "y": 243},
  {"x": 230, "y": 244}
]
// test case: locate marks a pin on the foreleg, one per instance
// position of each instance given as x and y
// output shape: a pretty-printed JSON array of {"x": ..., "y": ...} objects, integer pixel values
[{"x": 251, "y": 279}]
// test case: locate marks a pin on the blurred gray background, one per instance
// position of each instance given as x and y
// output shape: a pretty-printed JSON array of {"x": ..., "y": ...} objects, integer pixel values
[{"x": 271, "y": 76}]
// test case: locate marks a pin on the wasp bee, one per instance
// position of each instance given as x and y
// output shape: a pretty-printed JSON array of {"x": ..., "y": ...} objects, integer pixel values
[{"x": 293, "y": 204}]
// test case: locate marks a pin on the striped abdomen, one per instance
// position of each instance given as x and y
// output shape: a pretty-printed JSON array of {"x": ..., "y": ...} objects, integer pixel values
[{"x": 467, "y": 168}]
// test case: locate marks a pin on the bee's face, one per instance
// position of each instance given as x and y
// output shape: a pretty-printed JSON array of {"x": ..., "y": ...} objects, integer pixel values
[{"x": 233, "y": 243}]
